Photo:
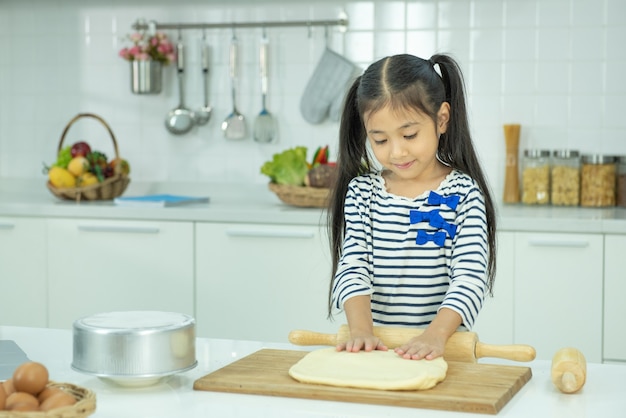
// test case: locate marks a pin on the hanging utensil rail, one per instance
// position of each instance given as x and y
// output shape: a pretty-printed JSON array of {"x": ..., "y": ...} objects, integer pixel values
[{"x": 342, "y": 22}]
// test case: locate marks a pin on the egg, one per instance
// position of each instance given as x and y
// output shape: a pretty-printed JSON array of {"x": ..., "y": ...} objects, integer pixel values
[
  {"x": 20, "y": 397},
  {"x": 8, "y": 386},
  {"x": 30, "y": 377},
  {"x": 57, "y": 400},
  {"x": 22, "y": 406},
  {"x": 47, "y": 392},
  {"x": 3, "y": 397}
]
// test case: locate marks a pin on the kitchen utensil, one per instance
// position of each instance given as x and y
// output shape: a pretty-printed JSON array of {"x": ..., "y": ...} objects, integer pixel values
[
  {"x": 511, "y": 170},
  {"x": 234, "y": 126},
  {"x": 134, "y": 348},
  {"x": 203, "y": 115},
  {"x": 468, "y": 387},
  {"x": 180, "y": 120},
  {"x": 264, "y": 124},
  {"x": 462, "y": 346}
]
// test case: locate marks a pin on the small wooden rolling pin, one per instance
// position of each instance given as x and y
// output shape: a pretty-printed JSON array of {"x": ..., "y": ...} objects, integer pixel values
[
  {"x": 461, "y": 346},
  {"x": 569, "y": 370}
]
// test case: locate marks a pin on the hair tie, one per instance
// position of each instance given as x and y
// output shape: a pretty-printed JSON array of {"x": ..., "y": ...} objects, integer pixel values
[{"x": 436, "y": 67}]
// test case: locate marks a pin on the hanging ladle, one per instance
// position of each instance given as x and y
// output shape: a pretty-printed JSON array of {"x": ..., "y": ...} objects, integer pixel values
[
  {"x": 203, "y": 114},
  {"x": 180, "y": 120}
]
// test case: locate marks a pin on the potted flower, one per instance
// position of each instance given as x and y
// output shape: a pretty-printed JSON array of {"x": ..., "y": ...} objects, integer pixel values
[{"x": 147, "y": 55}]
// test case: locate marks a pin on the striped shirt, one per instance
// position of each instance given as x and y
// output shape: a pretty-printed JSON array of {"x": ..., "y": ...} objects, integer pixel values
[{"x": 409, "y": 279}]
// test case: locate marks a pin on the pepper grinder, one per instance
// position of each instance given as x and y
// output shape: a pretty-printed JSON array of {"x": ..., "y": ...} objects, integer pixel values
[{"x": 511, "y": 178}]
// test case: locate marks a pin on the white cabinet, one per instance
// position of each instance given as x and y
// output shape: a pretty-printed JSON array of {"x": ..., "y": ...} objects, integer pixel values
[
  {"x": 558, "y": 292},
  {"x": 23, "y": 291},
  {"x": 111, "y": 265},
  {"x": 259, "y": 282},
  {"x": 614, "y": 291},
  {"x": 494, "y": 324}
]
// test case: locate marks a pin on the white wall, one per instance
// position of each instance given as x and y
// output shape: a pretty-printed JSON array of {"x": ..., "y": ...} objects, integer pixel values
[{"x": 555, "y": 66}]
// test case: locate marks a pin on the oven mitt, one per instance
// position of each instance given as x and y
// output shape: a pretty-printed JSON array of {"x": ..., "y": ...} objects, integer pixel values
[{"x": 327, "y": 87}]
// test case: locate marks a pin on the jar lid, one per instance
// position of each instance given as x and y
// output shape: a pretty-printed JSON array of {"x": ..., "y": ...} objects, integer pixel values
[
  {"x": 536, "y": 153},
  {"x": 565, "y": 153},
  {"x": 598, "y": 159}
]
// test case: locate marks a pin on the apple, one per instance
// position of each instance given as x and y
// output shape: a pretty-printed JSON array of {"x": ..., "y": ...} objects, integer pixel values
[{"x": 80, "y": 149}]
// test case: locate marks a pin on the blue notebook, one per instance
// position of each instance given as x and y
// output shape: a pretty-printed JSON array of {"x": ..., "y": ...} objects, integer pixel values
[{"x": 159, "y": 200}]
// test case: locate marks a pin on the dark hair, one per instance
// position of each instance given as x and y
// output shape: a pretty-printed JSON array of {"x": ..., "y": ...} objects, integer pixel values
[{"x": 402, "y": 81}]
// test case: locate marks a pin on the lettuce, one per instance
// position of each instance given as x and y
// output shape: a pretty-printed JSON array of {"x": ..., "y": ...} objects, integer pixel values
[{"x": 287, "y": 167}]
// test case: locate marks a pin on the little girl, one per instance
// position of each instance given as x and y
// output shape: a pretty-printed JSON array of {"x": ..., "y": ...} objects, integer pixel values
[{"x": 413, "y": 243}]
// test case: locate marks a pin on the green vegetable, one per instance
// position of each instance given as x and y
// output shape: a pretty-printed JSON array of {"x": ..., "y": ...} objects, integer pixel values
[
  {"x": 287, "y": 167},
  {"x": 64, "y": 157}
]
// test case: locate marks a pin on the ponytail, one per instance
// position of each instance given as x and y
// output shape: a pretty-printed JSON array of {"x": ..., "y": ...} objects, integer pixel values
[
  {"x": 456, "y": 148},
  {"x": 352, "y": 160}
]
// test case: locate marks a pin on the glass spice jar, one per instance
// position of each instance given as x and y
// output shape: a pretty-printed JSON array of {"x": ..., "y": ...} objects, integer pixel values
[
  {"x": 597, "y": 180},
  {"x": 620, "y": 191},
  {"x": 565, "y": 178},
  {"x": 536, "y": 177}
]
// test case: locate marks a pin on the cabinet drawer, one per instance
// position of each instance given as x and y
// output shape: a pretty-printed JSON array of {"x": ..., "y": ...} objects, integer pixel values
[
  {"x": 614, "y": 291},
  {"x": 259, "y": 282},
  {"x": 558, "y": 292},
  {"x": 99, "y": 266}
]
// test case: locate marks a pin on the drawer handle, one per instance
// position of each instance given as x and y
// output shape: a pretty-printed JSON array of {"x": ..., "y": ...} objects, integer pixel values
[
  {"x": 558, "y": 243},
  {"x": 4, "y": 225},
  {"x": 250, "y": 233},
  {"x": 131, "y": 229}
]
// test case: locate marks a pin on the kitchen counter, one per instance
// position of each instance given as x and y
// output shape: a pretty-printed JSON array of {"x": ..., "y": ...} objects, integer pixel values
[
  {"x": 602, "y": 396},
  {"x": 250, "y": 203}
]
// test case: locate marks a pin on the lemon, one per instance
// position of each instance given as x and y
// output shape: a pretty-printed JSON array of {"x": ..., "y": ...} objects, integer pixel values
[
  {"x": 61, "y": 178},
  {"x": 86, "y": 179}
]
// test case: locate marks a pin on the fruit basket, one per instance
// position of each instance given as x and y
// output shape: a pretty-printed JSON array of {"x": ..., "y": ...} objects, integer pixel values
[
  {"x": 301, "y": 196},
  {"x": 85, "y": 405},
  {"x": 109, "y": 188}
]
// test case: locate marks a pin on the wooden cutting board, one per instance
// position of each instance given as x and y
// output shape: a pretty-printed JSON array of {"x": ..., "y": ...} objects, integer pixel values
[{"x": 468, "y": 387}]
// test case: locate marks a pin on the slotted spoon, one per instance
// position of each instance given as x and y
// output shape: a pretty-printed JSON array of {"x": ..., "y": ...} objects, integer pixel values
[{"x": 265, "y": 123}]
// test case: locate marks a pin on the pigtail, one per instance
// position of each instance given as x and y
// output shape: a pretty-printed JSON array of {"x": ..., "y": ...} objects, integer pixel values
[
  {"x": 352, "y": 160},
  {"x": 457, "y": 150}
]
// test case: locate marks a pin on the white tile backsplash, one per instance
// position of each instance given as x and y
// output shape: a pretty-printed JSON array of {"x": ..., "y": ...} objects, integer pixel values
[{"x": 555, "y": 66}]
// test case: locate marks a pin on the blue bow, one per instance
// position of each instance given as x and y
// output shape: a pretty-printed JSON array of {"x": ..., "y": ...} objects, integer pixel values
[
  {"x": 423, "y": 237},
  {"x": 439, "y": 222},
  {"x": 436, "y": 199},
  {"x": 434, "y": 219},
  {"x": 416, "y": 216}
]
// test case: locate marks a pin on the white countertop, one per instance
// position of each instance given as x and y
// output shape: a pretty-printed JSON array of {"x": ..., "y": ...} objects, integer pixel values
[
  {"x": 602, "y": 395},
  {"x": 249, "y": 203}
]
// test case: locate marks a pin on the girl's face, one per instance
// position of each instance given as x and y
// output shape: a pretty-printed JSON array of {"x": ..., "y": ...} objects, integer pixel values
[{"x": 405, "y": 141}]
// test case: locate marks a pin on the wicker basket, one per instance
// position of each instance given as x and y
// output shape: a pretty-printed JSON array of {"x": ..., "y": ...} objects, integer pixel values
[
  {"x": 306, "y": 197},
  {"x": 110, "y": 188},
  {"x": 85, "y": 405}
]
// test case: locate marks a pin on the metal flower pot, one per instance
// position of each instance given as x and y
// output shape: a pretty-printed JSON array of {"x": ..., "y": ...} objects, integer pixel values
[{"x": 146, "y": 77}]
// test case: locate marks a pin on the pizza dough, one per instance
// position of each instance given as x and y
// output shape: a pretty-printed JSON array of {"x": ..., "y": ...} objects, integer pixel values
[{"x": 383, "y": 370}]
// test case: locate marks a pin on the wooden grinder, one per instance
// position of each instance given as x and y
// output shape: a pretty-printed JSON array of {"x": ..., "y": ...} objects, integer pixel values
[
  {"x": 511, "y": 170},
  {"x": 461, "y": 346}
]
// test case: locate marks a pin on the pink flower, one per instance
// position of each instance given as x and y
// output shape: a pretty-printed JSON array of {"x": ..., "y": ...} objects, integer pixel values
[{"x": 149, "y": 47}]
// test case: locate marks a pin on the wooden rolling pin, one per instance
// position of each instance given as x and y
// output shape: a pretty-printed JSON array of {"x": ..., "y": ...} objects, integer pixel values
[
  {"x": 569, "y": 370},
  {"x": 461, "y": 346}
]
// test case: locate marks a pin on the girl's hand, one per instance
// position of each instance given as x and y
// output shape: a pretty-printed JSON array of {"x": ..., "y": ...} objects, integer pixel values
[
  {"x": 365, "y": 342},
  {"x": 426, "y": 346}
]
